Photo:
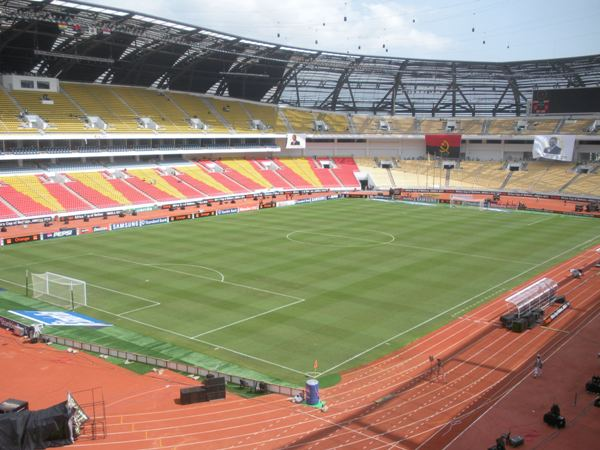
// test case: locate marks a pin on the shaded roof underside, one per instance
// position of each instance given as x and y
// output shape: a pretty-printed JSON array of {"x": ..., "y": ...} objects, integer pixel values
[{"x": 86, "y": 43}]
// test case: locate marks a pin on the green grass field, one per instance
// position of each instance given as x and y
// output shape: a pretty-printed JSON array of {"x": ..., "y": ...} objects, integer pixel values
[{"x": 343, "y": 281}]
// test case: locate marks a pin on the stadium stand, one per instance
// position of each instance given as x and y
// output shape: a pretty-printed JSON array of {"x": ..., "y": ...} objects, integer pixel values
[
  {"x": 478, "y": 175},
  {"x": 325, "y": 175},
  {"x": 62, "y": 115},
  {"x": 155, "y": 105},
  {"x": 502, "y": 126},
  {"x": 302, "y": 168},
  {"x": 337, "y": 123},
  {"x": 247, "y": 180},
  {"x": 22, "y": 202},
  {"x": 101, "y": 101},
  {"x": 32, "y": 187},
  {"x": 6, "y": 210},
  {"x": 246, "y": 174},
  {"x": 269, "y": 115},
  {"x": 216, "y": 172},
  {"x": 9, "y": 114},
  {"x": 96, "y": 189},
  {"x": 470, "y": 126},
  {"x": 269, "y": 170},
  {"x": 344, "y": 169},
  {"x": 432, "y": 126},
  {"x": 290, "y": 175},
  {"x": 195, "y": 107},
  {"x": 233, "y": 112},
  {"x": 584, "y": 184},
  {"x": 300, "y": 121},
  {"x": 67, "y": 198},
  {"x": 201, "y": 180},
  {"x": 151, "y": 183},
  {"x": 545, "y": 126},
  {"x": 541, "y": 176}
]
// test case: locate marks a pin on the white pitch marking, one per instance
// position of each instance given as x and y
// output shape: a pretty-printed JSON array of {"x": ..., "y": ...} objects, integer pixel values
[
  {"x": 460, "y": 304},
  {"x": 175, "y": 333},
  {"x": 249, "y": 318},
  {"x": 244, "y": 286}
]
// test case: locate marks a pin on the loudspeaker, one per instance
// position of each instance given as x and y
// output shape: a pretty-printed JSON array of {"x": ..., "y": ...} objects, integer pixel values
[
  {"x": 134, "y": 213},
  {"x": 86, "y": 219},
  {"x": 554, "y": 420},
  {"x": 593, "y": 385},
  {"x": 3, "y": 229},
  {"x": 519, "y": 325},
  {"x": 211, "y": 380},
  {"x": 515, "y": 441},
  {"x": 196, "y": 394}
]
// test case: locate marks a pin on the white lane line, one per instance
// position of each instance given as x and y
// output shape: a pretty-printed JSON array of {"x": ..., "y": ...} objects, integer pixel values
[{"x": 358, "y": 355}]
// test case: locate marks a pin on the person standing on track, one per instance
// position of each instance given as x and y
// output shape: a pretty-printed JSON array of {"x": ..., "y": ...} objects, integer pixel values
[{"x": 537, "y": 366}]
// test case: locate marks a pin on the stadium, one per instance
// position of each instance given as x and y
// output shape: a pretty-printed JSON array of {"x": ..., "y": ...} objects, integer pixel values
[{"x": 213, "y": 241}]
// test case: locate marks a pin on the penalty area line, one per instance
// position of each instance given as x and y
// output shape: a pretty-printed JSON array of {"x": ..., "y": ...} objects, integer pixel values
[
  {"x": 264, "y": 313},
  {"x": 402, "y": 333},
  {"x": 175, "y": 333},
  {"x": 223, "y": 281}
]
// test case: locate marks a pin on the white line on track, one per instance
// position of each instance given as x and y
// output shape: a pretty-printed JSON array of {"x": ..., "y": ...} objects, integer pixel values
[
  {"x": 525, "y": 377},
  {"x": 358, "y": 355}
]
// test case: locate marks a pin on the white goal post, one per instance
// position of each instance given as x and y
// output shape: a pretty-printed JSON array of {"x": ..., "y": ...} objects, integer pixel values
[
  {"x": 467, "y": 200},
  {"x": 59, "y": 290}
]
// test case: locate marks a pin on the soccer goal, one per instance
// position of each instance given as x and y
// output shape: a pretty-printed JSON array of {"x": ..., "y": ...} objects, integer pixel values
[
  {"x": 59, "y": 290},
  {"x": 467, "y": 200}
]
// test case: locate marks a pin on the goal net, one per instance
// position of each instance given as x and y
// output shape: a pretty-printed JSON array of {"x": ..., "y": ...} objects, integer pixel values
[
  {"x": 59, "y": 290},
  {"x": 467, "y": 200}
]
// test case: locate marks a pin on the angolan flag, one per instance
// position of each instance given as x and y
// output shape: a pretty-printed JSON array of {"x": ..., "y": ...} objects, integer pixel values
[{"x": 443, "y": 145}]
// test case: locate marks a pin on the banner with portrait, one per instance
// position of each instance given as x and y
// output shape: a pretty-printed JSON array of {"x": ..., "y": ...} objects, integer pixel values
[
  {"x": 556, "y": 147},
  {"x": 296, "y": 141}
]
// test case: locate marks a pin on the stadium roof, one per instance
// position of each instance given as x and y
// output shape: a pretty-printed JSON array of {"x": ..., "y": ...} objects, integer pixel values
[{"x": 77, "y": 41}]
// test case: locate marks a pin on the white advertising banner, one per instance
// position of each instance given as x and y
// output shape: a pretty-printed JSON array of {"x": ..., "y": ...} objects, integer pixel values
[{"x": 556, "y": 147}]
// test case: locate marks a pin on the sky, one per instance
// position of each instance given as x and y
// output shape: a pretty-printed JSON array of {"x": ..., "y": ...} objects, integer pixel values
[{"x": 467, "y": 30}]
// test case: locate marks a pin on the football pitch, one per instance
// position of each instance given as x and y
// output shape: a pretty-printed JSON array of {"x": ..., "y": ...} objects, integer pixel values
[{"x": 342, "y": 282}]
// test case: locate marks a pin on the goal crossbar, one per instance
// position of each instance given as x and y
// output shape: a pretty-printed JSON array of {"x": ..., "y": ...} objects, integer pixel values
[{"x": 59, "y": 289}]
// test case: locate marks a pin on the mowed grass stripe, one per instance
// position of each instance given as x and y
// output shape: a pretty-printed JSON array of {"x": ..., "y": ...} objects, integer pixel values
[{"x": 356, "y": 296}]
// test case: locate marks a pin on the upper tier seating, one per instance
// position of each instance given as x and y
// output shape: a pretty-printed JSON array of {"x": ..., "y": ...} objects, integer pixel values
[
  {"x": 195, "y": 107},
  {"x": 9, "y": 115},
  {"x": 155, "y": 105},
  {"x": 101, "y": 101},
  {"x": 268, "y": 114},
  {"x": 233, "y": 113},
  {"x": 62, "y": 116}
]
